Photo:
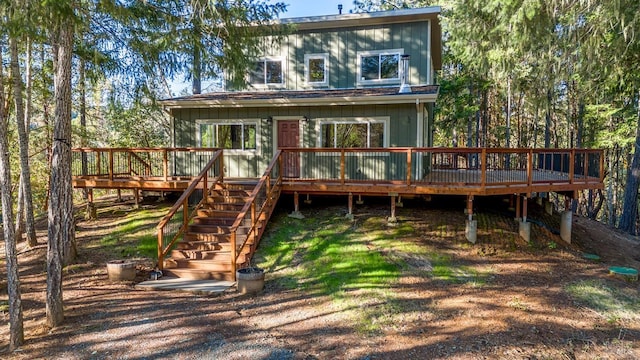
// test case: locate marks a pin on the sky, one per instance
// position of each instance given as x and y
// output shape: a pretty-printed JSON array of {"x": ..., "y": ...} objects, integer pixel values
[{"x": 300, "y": 8}]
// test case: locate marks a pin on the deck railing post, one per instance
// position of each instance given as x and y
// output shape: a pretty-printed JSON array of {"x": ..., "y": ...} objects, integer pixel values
[
  {"x": 572, "y": 158},
  {"x": 233, "y": 255},
  {"x": 483, "y": 168},
  {"x": 342, "y": 167},
  {"x": 110, "y": 164},
  {"x": 409, "y": 153},
  {"x": 99, "y": 160},
  {"x": 185, "y": 213},
  {"x": 601, "y": 170},
  {"x": 530, "y": 168},
  {"x": 160, "y": 249},
  {"x": 586, "y": 166},
  {"x": 129, "y": 162},
  {"x": 165, "y": 164}
]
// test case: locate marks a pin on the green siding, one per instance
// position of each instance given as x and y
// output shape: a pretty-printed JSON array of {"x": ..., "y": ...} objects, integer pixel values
[{"x": 343, "y": 45}]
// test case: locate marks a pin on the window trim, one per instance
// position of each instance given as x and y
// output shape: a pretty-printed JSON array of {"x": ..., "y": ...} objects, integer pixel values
[
  {"x": 264, "y": 84},
  {"x": 241, "y": 122},
  {"x": 361, "y": 54},
  {"x": 385, "y": 120},
  {"x": 323, "y": 56}
]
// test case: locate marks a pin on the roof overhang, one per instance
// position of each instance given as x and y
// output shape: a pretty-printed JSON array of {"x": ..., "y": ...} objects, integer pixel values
[{"x": 428, "y": 94}]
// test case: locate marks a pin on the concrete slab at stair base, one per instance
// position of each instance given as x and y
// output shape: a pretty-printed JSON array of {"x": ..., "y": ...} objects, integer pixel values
[
  {"x": 203, "y": 287},
  {"x": 471, "y": 231},
  {"x": 525, "y": 230}
]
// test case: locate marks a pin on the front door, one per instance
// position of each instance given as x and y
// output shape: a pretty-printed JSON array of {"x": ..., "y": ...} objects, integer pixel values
[{"x": 289, "y": 136}]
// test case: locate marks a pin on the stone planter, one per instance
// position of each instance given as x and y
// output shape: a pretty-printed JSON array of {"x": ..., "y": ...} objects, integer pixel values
[
  {"x": 250, "y": 280},
  {"x": 121, "y": 270}
]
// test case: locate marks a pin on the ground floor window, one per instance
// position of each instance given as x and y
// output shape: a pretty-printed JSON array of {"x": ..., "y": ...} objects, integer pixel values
[
  {"x": 352, "y": 133},
  {"x": 228, "y": 135}
]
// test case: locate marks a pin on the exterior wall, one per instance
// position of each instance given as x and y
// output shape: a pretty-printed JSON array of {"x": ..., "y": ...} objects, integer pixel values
[
  {"x": 401, "y": 131},
  {"x": 343, "y": 44}
]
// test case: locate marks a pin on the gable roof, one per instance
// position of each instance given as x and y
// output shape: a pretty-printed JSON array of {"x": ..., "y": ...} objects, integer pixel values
[{"x": 364, "y": 96}]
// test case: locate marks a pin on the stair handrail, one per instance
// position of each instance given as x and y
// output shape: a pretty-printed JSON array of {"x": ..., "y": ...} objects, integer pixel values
[
  {"x": 183, "y": 202},
  {"x": 265, "y": 180}
]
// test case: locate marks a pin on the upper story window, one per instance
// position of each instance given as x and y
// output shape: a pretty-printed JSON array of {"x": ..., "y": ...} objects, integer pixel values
[
  {"x": 379, "y": 67},
  {"x": 268, "y": 72},
  {"x": 227, "y": 135},
  {"x": 353, "y": 133},
  {"x": 316, "y": 69}
]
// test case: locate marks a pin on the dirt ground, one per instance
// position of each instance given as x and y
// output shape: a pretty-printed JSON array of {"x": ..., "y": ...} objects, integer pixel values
[{"x": 521, "y": 311}]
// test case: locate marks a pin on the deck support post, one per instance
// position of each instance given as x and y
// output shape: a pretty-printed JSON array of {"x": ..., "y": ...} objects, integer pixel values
[
  {"x": 518, "y": 217},
  {"x": 566, "y": 218},
  {"x": 136, "y": 197},
  {"x": 524, "y": 228},
  {"x": 392, "y": 219},
  {"x": 548, "y": 207},
  {"x": 296, "y": 207},
  {"x": 308, "y": 200},
  {"x": 350, "y": 207},
  {"x": 471, "y": 226},
  {"x": 92, "y": 213},
  {"x": 399, "y": 203},
  {"x": 359, "y": 201},
  {"x": 118, "y": 195}
]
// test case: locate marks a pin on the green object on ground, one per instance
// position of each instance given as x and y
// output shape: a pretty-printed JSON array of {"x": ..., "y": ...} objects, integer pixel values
[
  {"x": 593, "y": 257},
  {"x": 626, "y": 273}
]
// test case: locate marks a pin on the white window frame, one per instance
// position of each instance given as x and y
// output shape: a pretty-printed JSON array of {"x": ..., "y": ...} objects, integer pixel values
[
  {"x": 264, "y": 84},
  {"x": 379, "y": 81},
  {"x": 385, "y": 120},
  {"x": 323, "y": 56},
  {"x": 241, "y": 122}
]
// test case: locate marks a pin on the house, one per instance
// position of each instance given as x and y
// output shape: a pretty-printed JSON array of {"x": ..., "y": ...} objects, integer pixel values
[
  {"x": 339, "y": 81},
  {"x": 344, "y": 105}
]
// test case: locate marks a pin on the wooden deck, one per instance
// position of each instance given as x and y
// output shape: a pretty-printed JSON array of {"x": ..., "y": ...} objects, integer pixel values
[
  {"x": 444, "y": 171},
  {"x": 215, "y": 226}
]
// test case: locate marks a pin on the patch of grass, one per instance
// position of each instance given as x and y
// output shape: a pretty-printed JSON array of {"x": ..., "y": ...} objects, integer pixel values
[
  {"x": 614, "y": 303},
  {"x": 4, "y": 306},
  {"x": 135, "y": 234}
]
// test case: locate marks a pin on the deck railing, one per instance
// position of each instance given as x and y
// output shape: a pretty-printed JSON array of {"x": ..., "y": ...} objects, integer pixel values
[
  {"x": 482, "y": 167},
  {"x": 258, "y": 209},
  {"x": 176, "y": 221},
  {"x": 148, "y": 163}
]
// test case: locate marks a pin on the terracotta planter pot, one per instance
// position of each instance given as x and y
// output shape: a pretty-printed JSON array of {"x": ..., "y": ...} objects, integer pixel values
[
  {"x": 250, "y": 280},
  {"x": 121, "y": 270}
]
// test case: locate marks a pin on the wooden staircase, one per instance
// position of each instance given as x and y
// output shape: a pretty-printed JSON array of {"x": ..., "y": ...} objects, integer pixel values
[
  {"x": 205, "y": 253},
  {"x": 220, "y": 234}
]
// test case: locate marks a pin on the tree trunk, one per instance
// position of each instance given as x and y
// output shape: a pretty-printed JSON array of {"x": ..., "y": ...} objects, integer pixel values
[
  {"x": 23, "y": 143},
  {"x": 16, "y": 330},
  {"x": 61, "y": 249},
  {"x": 630, "y": 207}
]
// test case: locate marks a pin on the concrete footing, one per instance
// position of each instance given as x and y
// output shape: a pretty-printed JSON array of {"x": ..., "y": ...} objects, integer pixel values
[
  {"x": 525, "y": 230},
  {"x": 471, "y": 231},
  {"x": 296, "y": 215},
  {"x": 548, "y": 207},
  {"x": 566, "y": 219}
]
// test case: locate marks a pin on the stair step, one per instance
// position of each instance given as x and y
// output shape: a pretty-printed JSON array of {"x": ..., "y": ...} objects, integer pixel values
[
  {"x": 204, "y": 222},
  {"x": 217, "y": 213},
  {"x": 224, "y": 206},
  {"x": 214, "y": 199},
  {"x": 212, "y": 227},
  {"x": 216, "y": 255},
  {"x": 203, "y": 245},
  {"x": 196, "y": 274},
  {"x": 210, "y": 265}
]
